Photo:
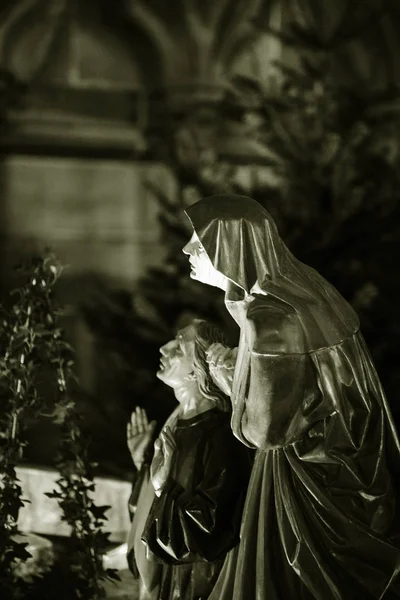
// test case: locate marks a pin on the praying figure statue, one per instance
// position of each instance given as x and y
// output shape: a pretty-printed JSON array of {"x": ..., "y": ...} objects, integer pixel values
[
  {"x": 321, "y": 518},
  {"x": 199, "y": 476}
]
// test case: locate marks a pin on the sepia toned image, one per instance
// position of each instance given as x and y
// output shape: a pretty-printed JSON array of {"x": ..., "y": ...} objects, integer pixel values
[{"x": 199, "y": 322}]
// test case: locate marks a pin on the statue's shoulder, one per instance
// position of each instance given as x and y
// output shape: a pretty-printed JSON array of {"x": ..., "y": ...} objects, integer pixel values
[{"x": 273, "y": 326}]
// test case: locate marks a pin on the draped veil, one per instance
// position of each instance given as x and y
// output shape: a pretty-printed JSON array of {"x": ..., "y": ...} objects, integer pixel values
[{"x": 321, "y": 518}]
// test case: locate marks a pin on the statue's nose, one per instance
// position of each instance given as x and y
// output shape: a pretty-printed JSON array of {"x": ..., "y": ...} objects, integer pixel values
[
  {"x": 190, "y": 247},
  {"x": 167, "y": 347}
]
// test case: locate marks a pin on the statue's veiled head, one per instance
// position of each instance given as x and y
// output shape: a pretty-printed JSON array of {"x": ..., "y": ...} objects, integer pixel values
[
  {"x": 236, "y": 240},
  {"x": 239, "y": 240}
]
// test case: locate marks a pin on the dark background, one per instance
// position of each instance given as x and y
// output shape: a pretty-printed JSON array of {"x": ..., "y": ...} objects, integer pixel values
[{"x": 115, "y": 116}]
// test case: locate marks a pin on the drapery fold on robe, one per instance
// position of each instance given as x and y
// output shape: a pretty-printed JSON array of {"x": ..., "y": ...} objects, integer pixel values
[
  {"x": 196, "y": 520},
  {"x": 147, "y": 571},
  {"x": 321, "y": 519}
]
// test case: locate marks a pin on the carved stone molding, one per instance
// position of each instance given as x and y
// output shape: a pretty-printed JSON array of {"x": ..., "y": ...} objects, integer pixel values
[
  {"x": 198, "y": 40},
  {"x": 155, "y": 60},
  {"x": 187, "y": 45}
]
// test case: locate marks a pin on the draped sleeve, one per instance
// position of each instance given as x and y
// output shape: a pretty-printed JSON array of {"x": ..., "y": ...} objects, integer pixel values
[
  {"x": 202, "y": 523},
  {"x": 282, "y": 397},
  {"x": 137, "y": 485}
]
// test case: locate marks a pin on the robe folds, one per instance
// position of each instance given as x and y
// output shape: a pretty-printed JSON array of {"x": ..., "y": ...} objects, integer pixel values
[
  {"x": 147, "y": 571},
  {"x": 321, "y": 519},
  {"x": 196, "y": 520}
]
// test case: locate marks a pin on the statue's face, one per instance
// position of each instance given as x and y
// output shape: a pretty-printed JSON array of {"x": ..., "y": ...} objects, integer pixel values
[
  {"x": 202, "y": 268},
  {"x": 177, "y": 357}
]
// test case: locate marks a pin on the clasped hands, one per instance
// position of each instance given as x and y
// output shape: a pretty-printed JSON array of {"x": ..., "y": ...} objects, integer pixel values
[{"x": 139, "y": 436}]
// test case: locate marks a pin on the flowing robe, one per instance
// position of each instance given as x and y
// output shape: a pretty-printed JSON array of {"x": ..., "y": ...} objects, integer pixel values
[
  {"x": 146, "y": 570},
  {"x": 321, "y": 518},
  {"x": 196, "y": 520}
]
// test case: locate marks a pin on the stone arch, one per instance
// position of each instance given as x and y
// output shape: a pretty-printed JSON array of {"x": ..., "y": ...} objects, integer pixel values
[{"x": 197, "y": 39}]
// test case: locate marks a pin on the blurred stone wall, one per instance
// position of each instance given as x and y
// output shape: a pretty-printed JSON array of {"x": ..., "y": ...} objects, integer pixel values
[
  {"x": 94, "y": 90},
  {"x": 105, "y": 84},
  {"x": 96, "y": 215}
]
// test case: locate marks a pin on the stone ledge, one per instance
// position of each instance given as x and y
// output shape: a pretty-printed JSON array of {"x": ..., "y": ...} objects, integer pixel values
[
  {"x": 42, "y": 515},
  {"x": 57, "y": 126}
]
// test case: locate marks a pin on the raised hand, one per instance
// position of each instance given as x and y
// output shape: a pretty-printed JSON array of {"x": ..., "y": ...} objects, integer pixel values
[
  {"x": 139, "y": 433},
  {"x": 164, "y": 450},
  {"x": 221, "y": 362}
]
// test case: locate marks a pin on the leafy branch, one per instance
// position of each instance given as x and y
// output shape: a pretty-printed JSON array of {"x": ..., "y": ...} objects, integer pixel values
[
  {"x": 19, "y": 365},
  {"x": 33, "y": 341}
]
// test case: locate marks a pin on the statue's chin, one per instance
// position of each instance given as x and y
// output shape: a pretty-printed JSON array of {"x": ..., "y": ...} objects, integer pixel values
[
  {"x": 165, "y": 379},
  {"x": 195, "y": 277}
]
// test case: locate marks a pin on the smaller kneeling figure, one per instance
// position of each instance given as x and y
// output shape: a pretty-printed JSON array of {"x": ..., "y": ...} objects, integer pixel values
[{"x": 199, "y": 472}]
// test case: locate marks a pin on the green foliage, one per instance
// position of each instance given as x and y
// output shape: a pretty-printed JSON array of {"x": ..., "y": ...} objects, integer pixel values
[
  {"x": 35, "y": 358},
  {"x": 76, "y": 486},
  {"x": 19, "y": 364},
  {"x": 74, "y": 494}
]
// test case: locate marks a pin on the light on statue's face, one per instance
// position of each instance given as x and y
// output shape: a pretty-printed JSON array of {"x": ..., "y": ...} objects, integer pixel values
[
  {"x": 202, "y": 268},
  {"x": 177, "y": 357}
]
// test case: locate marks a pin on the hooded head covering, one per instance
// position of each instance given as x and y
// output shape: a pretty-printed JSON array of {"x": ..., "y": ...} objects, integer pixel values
[
  {"x": 329, "y": 495},
  {"x": 242, "y": 241}
]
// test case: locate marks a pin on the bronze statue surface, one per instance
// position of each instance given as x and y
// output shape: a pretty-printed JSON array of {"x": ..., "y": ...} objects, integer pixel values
[
  {"x": 190, "y": 504},
  {"x": 321, "y": 518}
]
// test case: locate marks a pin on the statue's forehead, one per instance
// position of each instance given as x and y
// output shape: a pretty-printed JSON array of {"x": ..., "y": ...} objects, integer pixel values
[{"x": 186, "y": 334}]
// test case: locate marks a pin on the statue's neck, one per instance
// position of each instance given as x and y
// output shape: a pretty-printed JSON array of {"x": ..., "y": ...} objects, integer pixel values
[{"x": 192, "y": 402}]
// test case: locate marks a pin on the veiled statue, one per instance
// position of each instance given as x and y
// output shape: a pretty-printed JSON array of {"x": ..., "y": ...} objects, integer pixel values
[
  {"x": 321, "y": 518},
  {"x": 189, "y": 508}
]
